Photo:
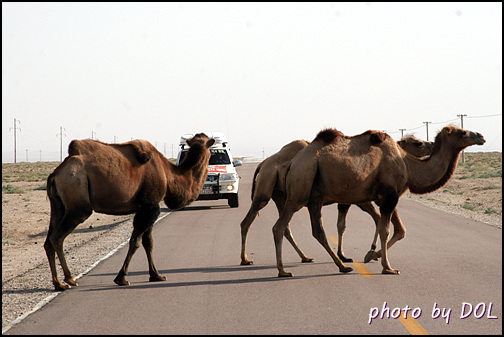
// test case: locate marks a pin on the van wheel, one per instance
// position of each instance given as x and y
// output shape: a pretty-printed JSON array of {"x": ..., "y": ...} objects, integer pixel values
[{"x": 233, "y": 200}]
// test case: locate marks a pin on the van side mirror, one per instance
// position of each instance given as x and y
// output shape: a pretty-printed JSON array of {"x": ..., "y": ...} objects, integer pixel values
[{"x": 237, "y": 163}]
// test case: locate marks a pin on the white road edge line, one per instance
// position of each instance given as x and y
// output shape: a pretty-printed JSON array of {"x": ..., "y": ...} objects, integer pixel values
[{"x": 49, "y": 298}]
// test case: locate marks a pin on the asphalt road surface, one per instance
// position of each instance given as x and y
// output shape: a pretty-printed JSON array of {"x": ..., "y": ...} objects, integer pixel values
[{"x": 450, "y": 267}]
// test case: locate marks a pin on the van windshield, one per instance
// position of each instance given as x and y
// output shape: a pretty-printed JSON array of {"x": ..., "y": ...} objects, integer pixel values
[{"x": 218, "y": 157}]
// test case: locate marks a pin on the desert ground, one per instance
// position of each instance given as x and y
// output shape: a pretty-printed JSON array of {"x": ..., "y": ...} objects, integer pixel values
[{"x": 475, "y": 191}]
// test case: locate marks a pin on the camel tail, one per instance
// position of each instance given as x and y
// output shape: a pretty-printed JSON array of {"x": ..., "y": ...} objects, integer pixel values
[
  {"x": 258, "y": 168},
  {"x": 57, "y": 207}
]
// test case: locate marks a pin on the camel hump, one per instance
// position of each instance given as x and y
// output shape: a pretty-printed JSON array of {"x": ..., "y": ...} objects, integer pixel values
[
  {"x": 328, "y": 136},
  {"x": 142, "y": 151},
  {"x": 75, "y": 147},
  {"x": 376, "y": 137}
]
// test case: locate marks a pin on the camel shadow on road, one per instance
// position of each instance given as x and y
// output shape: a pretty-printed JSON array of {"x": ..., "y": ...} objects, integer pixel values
[{"x": 208, "y": 270}]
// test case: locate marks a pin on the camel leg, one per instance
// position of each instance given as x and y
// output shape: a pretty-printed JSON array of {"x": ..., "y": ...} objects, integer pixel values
[
  {"x": 56, "y": 218},
  {"x": 341, "y": 225},
  {"x": 245, "y": 226},
  {"x": 399, "y": 234},
  {"x": 280, "y": 204},
  {"x": 54, "y": 244},
  {"x": 290, "y": 238},
  {"x": 369, "y": 208},
  {"x": 315, "y": 208},
  {"x": 148, "y": 245},
  {"x": 278, "y": 234},
  {"x": 387, "y": 207},
  {"x": 144, "y": 219}
]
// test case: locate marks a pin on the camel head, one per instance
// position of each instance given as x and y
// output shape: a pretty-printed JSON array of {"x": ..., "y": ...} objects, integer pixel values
[
  {"x": 198, "y": 153},
  {"x": 202, "y": 139},
  {"x": 415, "y": 146},
  {"x": 459, "y": 138}
]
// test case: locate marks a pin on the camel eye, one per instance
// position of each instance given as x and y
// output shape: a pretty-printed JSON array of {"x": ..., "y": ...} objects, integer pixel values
[{"x": 418, "y": 144}]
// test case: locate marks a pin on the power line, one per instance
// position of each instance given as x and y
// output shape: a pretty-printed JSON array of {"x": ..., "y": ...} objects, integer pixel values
[{"x": 483, "y": 116}]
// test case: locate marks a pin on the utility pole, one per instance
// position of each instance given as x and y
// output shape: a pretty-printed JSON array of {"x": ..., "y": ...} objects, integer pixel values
[
  {"x": 15, "y": 128},
  {"x": 402, "y": 131},
  {"x": 61, "y": 142},
  {"x": 462, "y": 126},
  {"x": 427, "y": 125},
  {"x": 26, "y": 155},
  {"x": 92, "y": 134}
]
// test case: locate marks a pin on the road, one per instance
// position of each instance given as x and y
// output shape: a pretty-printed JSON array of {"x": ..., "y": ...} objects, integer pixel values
[{"x": 445, "y": 261}]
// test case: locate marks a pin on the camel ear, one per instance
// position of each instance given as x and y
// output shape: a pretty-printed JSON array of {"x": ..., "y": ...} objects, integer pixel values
[
  {"x": 210, "y": 142},
  {"x": 189, "y": 141},
  {"x": 446, "y": 130}
]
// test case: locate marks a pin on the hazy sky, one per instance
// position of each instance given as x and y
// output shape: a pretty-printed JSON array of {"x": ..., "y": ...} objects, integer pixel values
[{"x": 264, "y": 74}]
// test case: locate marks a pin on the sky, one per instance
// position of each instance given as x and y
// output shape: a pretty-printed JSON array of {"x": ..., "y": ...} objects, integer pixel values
[{"x": 263, "y": 73}]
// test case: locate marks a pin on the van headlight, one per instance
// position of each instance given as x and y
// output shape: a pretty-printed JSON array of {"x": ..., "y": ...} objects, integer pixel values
[{"x": 228, "y": 176}]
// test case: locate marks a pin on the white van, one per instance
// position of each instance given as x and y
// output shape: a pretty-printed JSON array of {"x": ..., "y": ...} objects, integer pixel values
[{"x": 222, "y": 180}]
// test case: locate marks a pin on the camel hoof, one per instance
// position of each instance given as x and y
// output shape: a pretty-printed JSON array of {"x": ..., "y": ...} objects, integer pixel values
[
  {"x": 121, "y": 281},
  {"x": 71, "y": 281},
  {"x": 344, "y": 258},
  {"x": 61, "y": 287},
  {"x": 284, "y": 274},
  {"x": 157, "y": 278},
  {"x": 370, "y": 256},
  {"x": 246, "y": 263},
  {"x": 306, "y": 260},
  {"x": 346, "y": 269},
  {"x": 390, "y": 271}
]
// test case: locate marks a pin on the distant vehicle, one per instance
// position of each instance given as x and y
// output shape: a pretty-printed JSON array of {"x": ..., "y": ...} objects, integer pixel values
[{"x": 222, "y": 180}]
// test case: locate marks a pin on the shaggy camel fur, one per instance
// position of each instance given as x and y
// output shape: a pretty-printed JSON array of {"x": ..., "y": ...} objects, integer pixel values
[
  {"x": 269, "y": 183},
  {"x": 364, "y": 168},
  {"x": 131, "y": 177}
]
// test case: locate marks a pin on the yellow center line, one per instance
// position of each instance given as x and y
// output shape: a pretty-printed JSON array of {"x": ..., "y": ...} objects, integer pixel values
[
  {"x": 333, "y": 239},
  {"x": 363, "y": 271},
  {"x": 412, "y": 325},
  {"x": 409, "y": 323}
]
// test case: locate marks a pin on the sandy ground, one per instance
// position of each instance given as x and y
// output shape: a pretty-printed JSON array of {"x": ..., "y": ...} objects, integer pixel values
[{"x": 25, "y": 220}]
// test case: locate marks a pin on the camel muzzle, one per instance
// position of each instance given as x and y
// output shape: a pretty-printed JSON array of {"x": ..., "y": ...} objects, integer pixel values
[{"x": 478, "y": 137}]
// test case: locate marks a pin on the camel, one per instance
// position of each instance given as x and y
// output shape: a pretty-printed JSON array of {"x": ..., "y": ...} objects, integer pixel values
[
  {"x": 335, "y": 168},
  {"x": 127, "y": 178},
  {"x": 411, "y": 145},
  {"x": 269, "y": 183}
]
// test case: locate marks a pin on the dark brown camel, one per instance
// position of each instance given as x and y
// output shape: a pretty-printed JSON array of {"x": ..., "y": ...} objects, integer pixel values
[
  {"x": 131, "y": 177},
  {"x": 336, "y": 168},
  {"x": 269, "y": 183}
]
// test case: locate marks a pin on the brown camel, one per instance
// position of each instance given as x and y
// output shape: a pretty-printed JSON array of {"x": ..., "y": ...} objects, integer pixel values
[
  {"x": 269, "y": 183},
  {"x": 364, "y": 168},
  {"x": 131, "y": 177},
  {"x": 415, "y": 147}
]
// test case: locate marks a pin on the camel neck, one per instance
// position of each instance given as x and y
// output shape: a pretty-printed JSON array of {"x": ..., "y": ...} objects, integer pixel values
[{"x": 427, "y": 175}]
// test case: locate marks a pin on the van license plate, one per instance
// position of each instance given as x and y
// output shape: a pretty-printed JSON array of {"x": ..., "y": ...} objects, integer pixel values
[{"x": 207, "y": 189}]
